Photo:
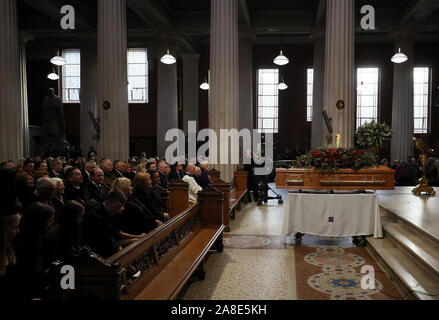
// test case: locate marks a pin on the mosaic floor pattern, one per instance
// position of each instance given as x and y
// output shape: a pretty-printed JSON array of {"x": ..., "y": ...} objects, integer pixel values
[{"x": 334, "y": 273}]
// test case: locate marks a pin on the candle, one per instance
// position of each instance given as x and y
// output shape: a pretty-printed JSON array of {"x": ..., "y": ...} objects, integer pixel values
[{"x": 338, "y": 140}]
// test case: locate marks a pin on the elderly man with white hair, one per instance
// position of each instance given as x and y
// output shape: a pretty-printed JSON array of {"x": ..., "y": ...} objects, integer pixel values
[
  {"x": 189, "y": 178},
  {"x": 58, "y": 198},
  {"x": 44, "y": 191}
]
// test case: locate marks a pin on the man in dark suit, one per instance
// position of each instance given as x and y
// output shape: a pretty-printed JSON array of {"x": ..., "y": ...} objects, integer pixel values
[
  {"x": 73, "y": 187},
  {"x": 163, "y": 169},
  {"x": 95, "y": 190},
  {"x": 99, "y": 232},
  {"x": 88, "y": 167},
  {"x": 120, "y": 169},
  {"x": 177, "y": 173}
]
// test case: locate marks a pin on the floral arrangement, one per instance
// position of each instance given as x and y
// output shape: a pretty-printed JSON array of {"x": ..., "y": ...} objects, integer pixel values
[
  {"x": 374, "y": 135},
  {"x": 335, "y": 159}
]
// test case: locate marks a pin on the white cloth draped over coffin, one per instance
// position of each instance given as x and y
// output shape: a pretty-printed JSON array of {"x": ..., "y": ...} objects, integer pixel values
[{"x": 333, "y": 215}]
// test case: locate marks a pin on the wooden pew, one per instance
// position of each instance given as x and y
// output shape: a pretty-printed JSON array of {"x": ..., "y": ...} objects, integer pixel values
[
  {"x": 234, "y": 194},
  {"x": 178, "y": 198},
  {"x": 166, "y": 197},
  {"x": 163, "y": 261},
  {"x": 239, "y": 192}
]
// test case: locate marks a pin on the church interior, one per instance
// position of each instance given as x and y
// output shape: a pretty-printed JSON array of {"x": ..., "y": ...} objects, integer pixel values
[{"x": 324, "y": 188}]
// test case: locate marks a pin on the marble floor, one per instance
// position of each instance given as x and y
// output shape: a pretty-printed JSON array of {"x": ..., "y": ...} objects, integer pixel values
[
  {"x": 258, "y": 260},
  {"x": 421, "y": 212}
]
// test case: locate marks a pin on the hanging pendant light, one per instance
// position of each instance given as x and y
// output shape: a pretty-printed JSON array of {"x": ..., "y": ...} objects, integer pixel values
[
  {"x": 168, "y": 58},
  {"x": 281, "y": 60},
  {"x": 53, "y": 75},
  {"x": 205, "y": 85},
  {"x": 399, "y": 57},
  {"x": 283, "y": 85},
  {"x": 58, "y": 60}
]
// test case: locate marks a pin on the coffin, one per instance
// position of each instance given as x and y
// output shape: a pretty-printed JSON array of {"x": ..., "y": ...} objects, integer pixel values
[{"x": 380, "y": 178}]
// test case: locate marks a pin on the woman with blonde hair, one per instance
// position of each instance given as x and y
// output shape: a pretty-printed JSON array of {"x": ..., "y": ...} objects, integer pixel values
[
  {"x": 137, "y": 218},
  {"x": 123, "y": 185}
]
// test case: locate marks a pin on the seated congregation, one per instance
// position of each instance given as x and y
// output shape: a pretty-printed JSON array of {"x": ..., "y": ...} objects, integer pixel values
[{"x": 53, "y": 209}]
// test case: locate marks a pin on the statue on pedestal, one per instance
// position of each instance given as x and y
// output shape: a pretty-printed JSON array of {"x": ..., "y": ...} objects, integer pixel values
[
  {"x": 423, "y": 186},
  {"x": 54, "y": 124}
]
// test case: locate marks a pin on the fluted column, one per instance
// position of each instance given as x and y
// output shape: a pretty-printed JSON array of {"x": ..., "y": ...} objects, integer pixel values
[
  {"x": 339, "y": 69},
  {"x": 191, "y": 88},
  {"x": 113, "y": 79},
  {"x": 167, "y": 102},
  {"x": 224, "y": 94},
  {"x": 402, "y": 111},
  {"x": 318, "y": 91},
  {"x": 245, "y": 78},
  {"x": 89, "y": 101},
  {"x": 11, "y": 108},
  {"x": 24, "y": 99}
]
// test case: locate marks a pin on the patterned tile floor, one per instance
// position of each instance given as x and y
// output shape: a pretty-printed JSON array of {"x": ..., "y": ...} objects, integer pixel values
[{"x": 258, "y": 261}]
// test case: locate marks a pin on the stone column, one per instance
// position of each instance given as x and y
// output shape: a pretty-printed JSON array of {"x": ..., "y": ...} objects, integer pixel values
[
  {"x": 113, "y": 79},
  {"x": 318, "y": 91},
  {"x": 11, "y": 108},
  {"x": 246, "y": 78},
  {"x": 167, "y": 101},
  {"x": 89, "y": 101},
  {"x": 191, "y": 88},
  {"x": 402, "y": 111},
  {"x": 224, "y": 94},
  {"x": 339, "y": 70},
  {"x": 24, "y": 100}
]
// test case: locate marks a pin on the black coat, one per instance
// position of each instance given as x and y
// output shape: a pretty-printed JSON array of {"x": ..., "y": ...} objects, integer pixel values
[
  {"x": 100, "y": 233},
  {"x": 164, "y": 180},
  {"x": 85, "y": 177},
  {"x": 92, "y": 193},
  {"x": 175, "y": 175},
  {"x": 152, "y": 200},
  {"x": 136, "y": 218},
  {"x": 59, "y": 207},
  {"x": 71, "y": 193}
]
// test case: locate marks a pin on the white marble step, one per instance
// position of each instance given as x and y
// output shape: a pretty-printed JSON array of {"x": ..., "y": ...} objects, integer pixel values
[
  {"x": 424, "y": 224},
  {"x": 418, "y": 280},
  {"x": 421, "y": 248}
]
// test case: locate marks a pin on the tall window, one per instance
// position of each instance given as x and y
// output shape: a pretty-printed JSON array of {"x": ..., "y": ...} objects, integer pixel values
[
  {"x": 138, "y": 76},
  {"x": 310, "y": 95},
  {"x": 71, "y": 76},
  {"x": 367, "y": 95},
  {"x": 268, "y": 100},
  {"x": 421, "y": 99}
]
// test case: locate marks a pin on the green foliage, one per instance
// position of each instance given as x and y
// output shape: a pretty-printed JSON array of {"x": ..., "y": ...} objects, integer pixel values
[{"x": 374, "y": 135}]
